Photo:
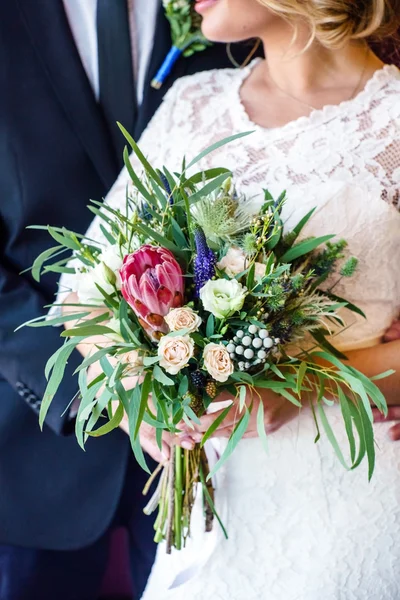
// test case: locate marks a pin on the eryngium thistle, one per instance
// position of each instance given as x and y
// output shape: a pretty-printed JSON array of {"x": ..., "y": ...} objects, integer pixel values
[
  {"x": 204, "y": 263},
  {"x": 221, "y": 215}
]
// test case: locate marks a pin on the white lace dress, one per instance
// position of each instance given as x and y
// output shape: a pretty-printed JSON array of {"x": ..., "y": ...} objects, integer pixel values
[{"x": 300, "y": 527}]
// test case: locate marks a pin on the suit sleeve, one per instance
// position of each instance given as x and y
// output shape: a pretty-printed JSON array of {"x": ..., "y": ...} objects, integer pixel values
[{"x": 23, "y": 354}]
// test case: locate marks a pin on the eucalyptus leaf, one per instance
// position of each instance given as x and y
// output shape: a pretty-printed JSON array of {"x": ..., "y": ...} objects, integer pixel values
[
  {"x": 304, "y": 247},
  {"x": 238, "y": 433},
  {"x": 161, "y": 377}
]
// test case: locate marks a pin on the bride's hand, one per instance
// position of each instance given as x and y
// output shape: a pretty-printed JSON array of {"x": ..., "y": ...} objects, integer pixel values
[{"x": 277, "y": 412}]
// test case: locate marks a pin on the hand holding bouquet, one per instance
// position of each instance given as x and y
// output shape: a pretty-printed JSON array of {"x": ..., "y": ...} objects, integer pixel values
[{"x": 200, "y": 298}]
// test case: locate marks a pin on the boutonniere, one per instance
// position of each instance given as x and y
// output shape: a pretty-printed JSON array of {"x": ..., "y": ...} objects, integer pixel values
[{"x": 185, "y": 33}]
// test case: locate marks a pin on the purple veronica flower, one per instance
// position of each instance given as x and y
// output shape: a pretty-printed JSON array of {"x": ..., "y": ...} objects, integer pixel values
[
  {"x": 204, "y": 263},
  {"x": 166, "y": 186}
]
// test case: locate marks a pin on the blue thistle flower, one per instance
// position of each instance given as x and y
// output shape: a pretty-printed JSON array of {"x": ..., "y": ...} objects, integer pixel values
[{"x": 205, "y": 261}]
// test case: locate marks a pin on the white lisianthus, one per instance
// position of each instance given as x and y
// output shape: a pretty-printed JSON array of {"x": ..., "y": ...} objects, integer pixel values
[
  {"x": 217, "y": 362},
  {"x": 234, "y": 262},
  {"x": 105, "y": 274},
  {"x": 223, "y": 297},
  {"x": 183, "y": 318},
  {"x": 175, "y": 352}
]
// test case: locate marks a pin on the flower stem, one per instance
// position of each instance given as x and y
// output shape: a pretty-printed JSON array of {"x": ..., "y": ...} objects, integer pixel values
[
  {"x": 178, "y": 497},
  {"x": 171, "y": 502}
]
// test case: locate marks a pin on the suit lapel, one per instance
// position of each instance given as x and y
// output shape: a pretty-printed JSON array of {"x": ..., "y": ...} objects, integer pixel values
[{"x": 51, "y": 36}]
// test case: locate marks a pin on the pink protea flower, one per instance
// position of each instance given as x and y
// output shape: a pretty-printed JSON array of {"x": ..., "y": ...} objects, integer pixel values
[{"x": 152, "y": 284}]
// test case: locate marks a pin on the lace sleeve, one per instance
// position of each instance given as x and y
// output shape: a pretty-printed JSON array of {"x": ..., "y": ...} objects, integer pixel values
[{"x": 154, "y": 143}]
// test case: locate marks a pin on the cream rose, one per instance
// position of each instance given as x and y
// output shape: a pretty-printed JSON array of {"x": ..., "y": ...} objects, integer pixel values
[
  {"x": 223, "y": 297},
  {"x": 183, "y": 318},
  {"x": 175, "y": 352},
  {"x": 234, "y": 262},
  {"x": 217, "y": 362}
]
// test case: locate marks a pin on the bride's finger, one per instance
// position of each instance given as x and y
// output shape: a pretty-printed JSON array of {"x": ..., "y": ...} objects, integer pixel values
[
  {"x": 393, "y": 414},
  {"x": 207, "y": 421},
  {"x": 394, "y": 432}
]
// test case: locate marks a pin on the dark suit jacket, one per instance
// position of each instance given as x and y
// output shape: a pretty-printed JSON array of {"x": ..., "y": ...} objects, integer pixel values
[{"x": 55, "y": 154}]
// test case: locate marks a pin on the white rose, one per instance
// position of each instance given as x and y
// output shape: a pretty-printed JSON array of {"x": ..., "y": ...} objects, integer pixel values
[
  {"x": 223, "y": 297},
  {"x": 105, "y": 274},
  {"x": 175, "y": 352},
  {"x": 217, "y": 362},
  {"x": 234, "y": 262},
  {"x": 183, "y": 318}
]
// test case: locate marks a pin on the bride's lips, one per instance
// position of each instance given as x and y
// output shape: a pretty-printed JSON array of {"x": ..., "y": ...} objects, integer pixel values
[{"x": 203, "y": 5}]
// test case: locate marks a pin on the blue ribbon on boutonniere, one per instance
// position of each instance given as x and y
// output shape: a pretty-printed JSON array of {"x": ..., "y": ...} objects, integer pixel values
[{"x": 185, "y": 34}]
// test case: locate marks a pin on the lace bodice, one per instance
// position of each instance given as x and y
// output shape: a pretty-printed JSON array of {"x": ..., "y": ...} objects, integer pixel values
[{"x": 344, "y": 160}]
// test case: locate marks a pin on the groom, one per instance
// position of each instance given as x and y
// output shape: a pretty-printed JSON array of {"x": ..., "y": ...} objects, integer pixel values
[{"x": 69, "y": 69}]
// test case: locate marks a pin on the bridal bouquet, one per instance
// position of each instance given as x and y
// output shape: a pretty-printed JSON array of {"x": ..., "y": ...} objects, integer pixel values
[{"x": 199, "y": 298}]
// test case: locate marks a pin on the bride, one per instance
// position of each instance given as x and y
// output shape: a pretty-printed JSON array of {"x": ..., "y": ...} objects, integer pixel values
[{"x": 325, "y": 116}]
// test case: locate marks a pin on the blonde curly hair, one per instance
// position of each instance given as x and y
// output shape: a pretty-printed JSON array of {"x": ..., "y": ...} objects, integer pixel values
[{"x": 336, "y": 22}]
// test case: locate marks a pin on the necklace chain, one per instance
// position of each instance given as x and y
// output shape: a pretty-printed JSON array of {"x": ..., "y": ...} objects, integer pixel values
[{"x": 353, "y": 93}]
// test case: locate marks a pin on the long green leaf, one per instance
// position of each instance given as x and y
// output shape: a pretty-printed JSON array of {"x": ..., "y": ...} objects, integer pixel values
[
  {"x": 262, "y": 434},
  {"x": 331, "y": 436},
  {"x": 208, "y": 188},
  {"x": 42, "y": 258},
  {"x": 300, "y": 376},
  {"x": 300, "y": 225},
  {"x": 217, "y": 145},
  {"x": 235, "y": 438},
  {"x": 215, "y": 424},
  {"x": 161, "y": 377},
  {"x": 44, "y": 322},
  {"x": 133, "y": 415},
  {"x": 136, "y": 180},
  {"x": 204, "y": 176},
  {"x": 87, "y": 331},
  {"x": 112, "y": 423},
  {"x": 56, "y": 377},
  {"x": 344, "y": 406},
  {"x": 157, "y": 237},
  {"x": 369, "y": 439},
  {"x": 65, "y": 238},
  {"x": 304, "y": 247},
  {"x": 144, "y": 398},
  {"x": 147, "y": 166}
]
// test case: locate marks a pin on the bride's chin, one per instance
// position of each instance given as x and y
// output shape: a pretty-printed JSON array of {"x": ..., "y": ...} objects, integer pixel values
[{"x": 214, "y": 23}]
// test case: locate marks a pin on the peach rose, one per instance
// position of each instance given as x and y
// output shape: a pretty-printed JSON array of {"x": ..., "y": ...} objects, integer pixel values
[
  {"x": 183, "y": 318},
  {"x": 175, "y": 352},
  {"x": 233, "y": 263},
  {"x": 218, "y": 362}
]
